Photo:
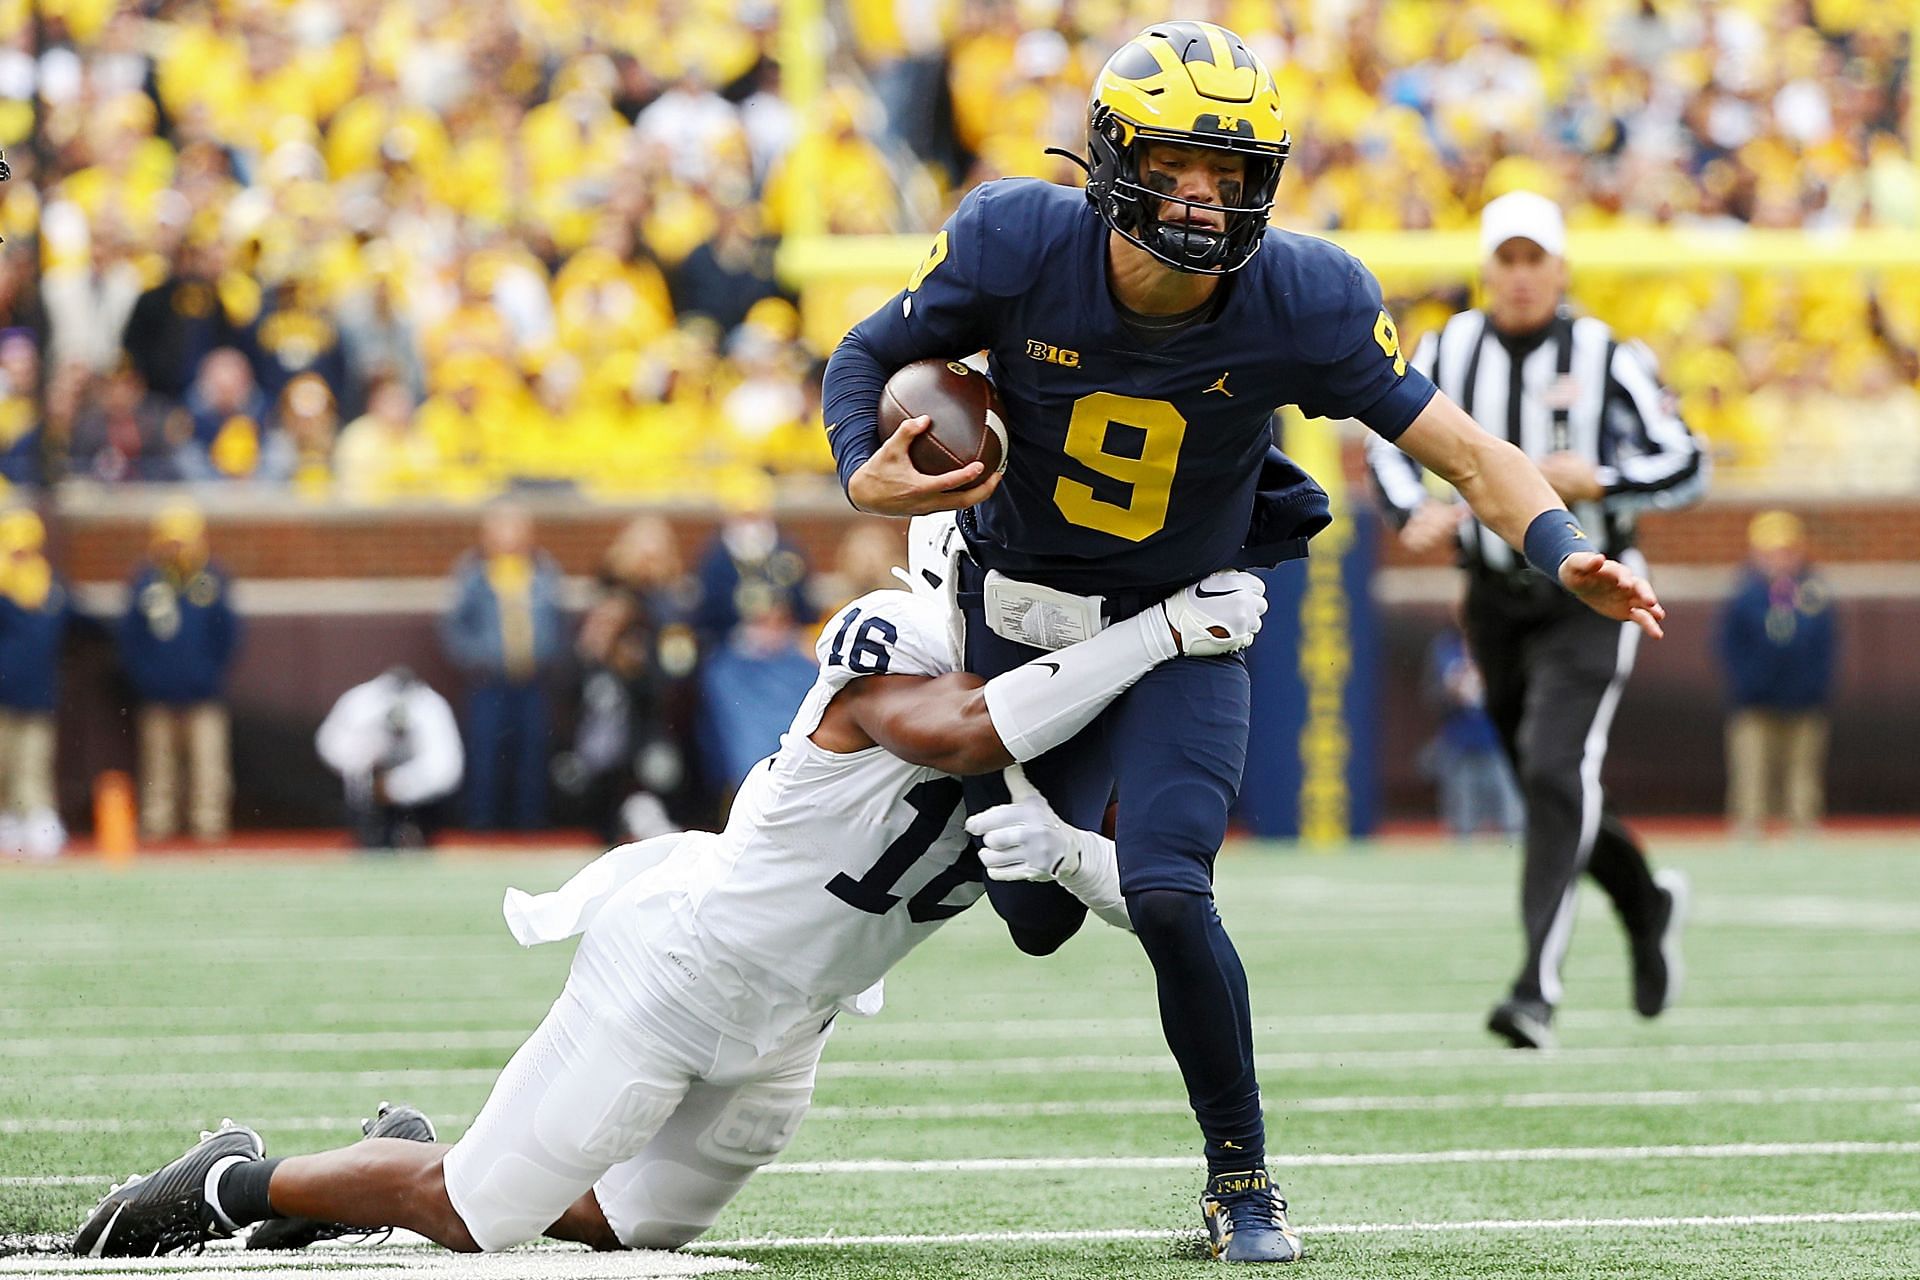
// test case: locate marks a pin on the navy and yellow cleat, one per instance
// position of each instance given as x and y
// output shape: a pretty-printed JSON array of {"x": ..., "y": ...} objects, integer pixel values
[
  {"x": 393, "y": 1120},
  {"x": 168, "y": 1211},
  {"x": 1246, "y": 1220}
]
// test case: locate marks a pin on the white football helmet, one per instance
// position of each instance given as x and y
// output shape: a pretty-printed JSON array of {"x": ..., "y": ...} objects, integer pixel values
[{"x": 934, "y": 548}]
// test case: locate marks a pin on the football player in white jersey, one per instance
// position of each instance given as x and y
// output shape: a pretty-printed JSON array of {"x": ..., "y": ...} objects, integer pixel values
[{"x": 680, "y": 1056}]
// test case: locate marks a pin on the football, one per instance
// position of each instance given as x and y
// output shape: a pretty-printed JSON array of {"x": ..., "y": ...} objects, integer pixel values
[{"x": 967, "y": 422}]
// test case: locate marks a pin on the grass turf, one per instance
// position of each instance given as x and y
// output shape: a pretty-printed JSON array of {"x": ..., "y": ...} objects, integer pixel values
[{"x": 138, "y": 1006}]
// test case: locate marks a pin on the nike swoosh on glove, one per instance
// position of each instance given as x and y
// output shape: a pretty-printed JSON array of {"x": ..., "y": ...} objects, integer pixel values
[{"x": 1219, "y": 614}]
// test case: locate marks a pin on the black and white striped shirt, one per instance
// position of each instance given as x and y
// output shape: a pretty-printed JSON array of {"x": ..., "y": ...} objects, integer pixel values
[{"x": 1574, "y": 388}]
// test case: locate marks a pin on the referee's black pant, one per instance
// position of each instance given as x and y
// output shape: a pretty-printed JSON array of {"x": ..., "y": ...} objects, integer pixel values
[{"x": 1554, "y": 671}]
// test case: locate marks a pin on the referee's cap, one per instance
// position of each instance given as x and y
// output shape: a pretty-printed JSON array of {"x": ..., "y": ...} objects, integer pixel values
[{"x": 1523, "y": 215}]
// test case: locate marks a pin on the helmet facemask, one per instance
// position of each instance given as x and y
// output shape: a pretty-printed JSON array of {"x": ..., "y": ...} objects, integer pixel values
[{"x": 1123, "y": 190}]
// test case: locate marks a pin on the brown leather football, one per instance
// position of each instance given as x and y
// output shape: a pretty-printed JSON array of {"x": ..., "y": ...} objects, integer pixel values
[{"x": 967, "y": 423}]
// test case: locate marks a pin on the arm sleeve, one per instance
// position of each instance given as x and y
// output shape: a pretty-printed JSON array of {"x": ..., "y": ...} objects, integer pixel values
[
  {"x": 944, "y": 311},
  {"x": 1657, "y": 461},
  {"x": 1365, "y": 374},
  {"x": 1038, "y": 706},
  {"x": 1398, "y": 481}
]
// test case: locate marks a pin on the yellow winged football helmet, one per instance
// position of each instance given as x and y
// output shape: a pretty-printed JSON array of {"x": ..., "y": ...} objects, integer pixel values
[{"x": 1192, "y": 84}]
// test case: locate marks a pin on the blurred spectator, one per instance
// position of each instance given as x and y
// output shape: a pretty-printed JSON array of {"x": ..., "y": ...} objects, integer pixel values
[
  {"x": 35, "y": 608},
  {"x": 192, "y": 313},
  {"x": 381, "y": 342},
  {"x": 297, "y": 336},
  {"x": 89, "y": 300},
  {"x": 750, "y": 567},
  {"x": 229, "y": 415},
  {"x": 505, "y": 631},
  {"x": 20, "y": 416},
  {"x": 863, "y": 562},
  {"x": 382, "y": 454},
  {"x": 124, "y": 432},
  {"x": 300, "y": 449},
  {"x": 1465, "y": 759},
  {"x": 756, "y": 663},
  {"x": 727, "y": 273},
  {"x": 635, "y": 652},
  {"x": 178, "y": 640},
  {"x": 395, "y": 745},
  {"x": 1777, "y": 642}
]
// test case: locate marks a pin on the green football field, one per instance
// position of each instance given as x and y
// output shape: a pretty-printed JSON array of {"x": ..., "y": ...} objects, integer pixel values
[{"x": 1012, "y": 1117}]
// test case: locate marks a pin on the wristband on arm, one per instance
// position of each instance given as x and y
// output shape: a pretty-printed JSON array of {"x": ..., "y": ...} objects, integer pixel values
[{"x": 1551, "y": 538}]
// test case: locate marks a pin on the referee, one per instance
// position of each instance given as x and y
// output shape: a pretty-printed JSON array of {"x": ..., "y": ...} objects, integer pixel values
[{"x": 1590, "y": 411}]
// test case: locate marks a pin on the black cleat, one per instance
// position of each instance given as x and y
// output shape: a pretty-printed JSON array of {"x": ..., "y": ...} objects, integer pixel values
[
  {"x": 1246, "y": 1220},
  {"x": 391, "y": 1121},
  {"x": 1524, "y": 1024},
  {"x": 1657, "y": 968},
  {"x": 166, "y": 1212}
]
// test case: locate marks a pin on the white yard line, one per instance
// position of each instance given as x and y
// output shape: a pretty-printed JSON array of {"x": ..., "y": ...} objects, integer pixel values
[
  {"x": 1335, "y": 1160},
  {"x": 1279, "y": 1108},
  {"x": 974, "y": 1031},
  {"x": 1169, "y": 1106},
  {"x": 1323, "y": 1229},
  {"x": 1136, "y": 1064},
  {"x": 1363, "y": 1159},
  {"x": 1628, "y": 1099}
]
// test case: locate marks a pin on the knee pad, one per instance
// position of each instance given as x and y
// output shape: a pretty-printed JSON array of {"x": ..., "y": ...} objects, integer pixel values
[
  {"x": 1166, "y": 917},
  {"x": 1167, "y": 840}
]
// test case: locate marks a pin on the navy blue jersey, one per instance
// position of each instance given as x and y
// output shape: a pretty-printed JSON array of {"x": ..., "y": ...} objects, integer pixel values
[{"x": 1133, "y": 463}]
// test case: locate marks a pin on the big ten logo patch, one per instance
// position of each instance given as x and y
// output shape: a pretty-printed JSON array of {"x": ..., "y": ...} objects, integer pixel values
[{"x": 1050, "y": 354}]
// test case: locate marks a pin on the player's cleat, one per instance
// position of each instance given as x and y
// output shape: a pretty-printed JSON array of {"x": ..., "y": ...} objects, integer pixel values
[
  {"x": 168, "y": 1211},
  {"x": 1657, "y": 967},
  {"x": 391, "y": 1121},
  {"x": 1525, "y": 1024},
  {"x": 1246, "y": 1220}
]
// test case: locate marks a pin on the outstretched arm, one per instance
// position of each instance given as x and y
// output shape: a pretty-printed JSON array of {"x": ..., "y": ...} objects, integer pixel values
[
  {"x": 959, "y": 724},
  {"x": 1511, "y": 497}
]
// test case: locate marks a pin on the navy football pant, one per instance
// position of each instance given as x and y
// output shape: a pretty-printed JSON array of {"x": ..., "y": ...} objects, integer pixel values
[{"x": 1171, "y": 750}]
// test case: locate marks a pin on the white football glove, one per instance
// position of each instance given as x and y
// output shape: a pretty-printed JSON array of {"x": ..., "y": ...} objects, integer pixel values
[
  {"x": 1027, "y": 840},
  {"x": 1219, "y": 614},
  {"x": 1024, "y": 840}
]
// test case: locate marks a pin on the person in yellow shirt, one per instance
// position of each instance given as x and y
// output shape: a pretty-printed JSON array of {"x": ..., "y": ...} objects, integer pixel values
[{"x": 380, "y": 455}]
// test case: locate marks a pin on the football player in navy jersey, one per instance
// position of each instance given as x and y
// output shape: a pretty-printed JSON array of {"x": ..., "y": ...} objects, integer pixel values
[{"x": 1141, "y": 334}]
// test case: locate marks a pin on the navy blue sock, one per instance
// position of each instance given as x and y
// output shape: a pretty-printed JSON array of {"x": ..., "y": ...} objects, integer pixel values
[
  {"x": 241, "y": 1193},
  {"x": 1208, "y": 1021}
]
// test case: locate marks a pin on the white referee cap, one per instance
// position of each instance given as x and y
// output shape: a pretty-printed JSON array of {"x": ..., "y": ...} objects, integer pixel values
[{"x": 1523, "y": 215}]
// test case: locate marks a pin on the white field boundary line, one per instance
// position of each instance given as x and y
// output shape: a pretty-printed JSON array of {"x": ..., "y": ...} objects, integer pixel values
[
  {"x": 1348, "y": 1160},
  {"x": 968, "y": 1031},
  {"x": 1324, "y": 1229},
  {"x": 973, "y": 1111},
  {"x": 1355, "y": 1059}
]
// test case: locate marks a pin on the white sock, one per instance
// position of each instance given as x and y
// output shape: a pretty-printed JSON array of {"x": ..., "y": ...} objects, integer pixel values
[{"x": 1038, "y": 706}]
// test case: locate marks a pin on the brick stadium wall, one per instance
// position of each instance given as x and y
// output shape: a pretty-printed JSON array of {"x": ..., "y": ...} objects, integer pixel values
[
  {"x": 100, "y": 546},
  {"x": 1666, "y": 755}
]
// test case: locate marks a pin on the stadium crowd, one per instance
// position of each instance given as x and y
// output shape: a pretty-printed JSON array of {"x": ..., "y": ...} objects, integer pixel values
[{"x": 433, "y": 250}]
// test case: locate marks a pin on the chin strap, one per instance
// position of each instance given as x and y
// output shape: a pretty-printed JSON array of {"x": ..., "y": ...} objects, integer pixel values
[{"x": 1065, "y": 154}]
